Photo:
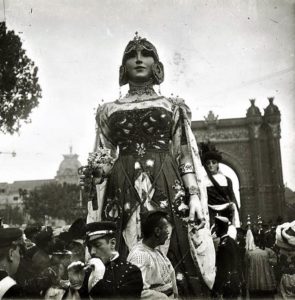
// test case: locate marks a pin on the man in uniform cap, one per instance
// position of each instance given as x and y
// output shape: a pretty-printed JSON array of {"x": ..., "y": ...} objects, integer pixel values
[
  {"x": 121, "y": 279},
  {"x": 227, "y": 281},
  {"x": 11, "y": 243}
]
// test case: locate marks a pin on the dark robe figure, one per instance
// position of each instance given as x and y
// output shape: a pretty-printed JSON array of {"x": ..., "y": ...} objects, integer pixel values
[
  {"x": 228, "y": 280},
  {"x": 221, "y": 197}
]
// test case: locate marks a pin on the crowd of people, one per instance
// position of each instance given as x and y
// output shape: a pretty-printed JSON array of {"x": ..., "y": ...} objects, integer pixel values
[
  {"x": 83, "y": 262},
  {"x": 163, "y": 221}
]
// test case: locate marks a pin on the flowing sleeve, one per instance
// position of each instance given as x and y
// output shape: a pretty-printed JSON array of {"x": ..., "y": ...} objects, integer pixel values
[
  {"x": 186, "y": 152},
  {"x": 103, "y": 132},
  {"x": 179, "y": 141}
]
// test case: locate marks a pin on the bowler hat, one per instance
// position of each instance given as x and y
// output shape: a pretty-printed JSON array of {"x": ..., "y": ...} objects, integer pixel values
[
  {"x": 43, "y": 237},
  {"x": 78, "y": 229}
]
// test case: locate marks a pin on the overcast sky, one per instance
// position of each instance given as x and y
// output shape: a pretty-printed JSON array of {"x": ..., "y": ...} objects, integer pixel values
[{"x": 217, "y": 55}]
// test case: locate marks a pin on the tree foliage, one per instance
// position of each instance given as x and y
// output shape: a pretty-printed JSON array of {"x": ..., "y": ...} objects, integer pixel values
[
  {"x": 19, "y": 88},
  {"x": 12, "y": 215},
  {"x": 55, "y": 200}
]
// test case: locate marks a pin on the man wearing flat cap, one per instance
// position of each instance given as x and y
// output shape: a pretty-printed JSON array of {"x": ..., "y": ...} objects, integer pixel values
[
  {"x": 228, "y": 273},
  {"x": 11, "y": 243},
  {"x": 121, "y": 279}
]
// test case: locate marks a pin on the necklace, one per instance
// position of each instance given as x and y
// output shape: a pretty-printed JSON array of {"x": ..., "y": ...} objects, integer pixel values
[{"x": 140, "y": 90}]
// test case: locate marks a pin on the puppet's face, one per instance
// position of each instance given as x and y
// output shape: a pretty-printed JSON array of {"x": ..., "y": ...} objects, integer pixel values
[
  {"x": 212, "y": 166},
  {"x": 139, "y": 65}
]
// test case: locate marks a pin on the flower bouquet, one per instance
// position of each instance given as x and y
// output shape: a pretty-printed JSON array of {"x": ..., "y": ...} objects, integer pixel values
[{"x": 99, "y": 165}]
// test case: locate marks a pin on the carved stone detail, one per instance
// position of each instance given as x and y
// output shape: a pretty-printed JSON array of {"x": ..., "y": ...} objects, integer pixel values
[
  {"x": 255, "y": 130},
  {"x": 247, "y": 145},
  {"x": 275, "y": 130},
  {"x": 211, "y": 119},
  {"x": 232, "y": 134}
]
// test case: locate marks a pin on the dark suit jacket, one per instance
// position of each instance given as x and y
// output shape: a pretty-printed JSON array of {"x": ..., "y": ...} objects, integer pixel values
[{"x": 121, "y": 280}]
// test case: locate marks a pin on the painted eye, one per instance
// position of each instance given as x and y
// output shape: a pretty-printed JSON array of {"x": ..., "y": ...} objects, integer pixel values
[
  {"x": 131, "y": 54},
  {"x": 147, "y": 53}
]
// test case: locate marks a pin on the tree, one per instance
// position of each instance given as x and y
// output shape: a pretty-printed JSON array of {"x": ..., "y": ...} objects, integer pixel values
[
  {"x": 12, "y": 215},
  {"x": 19, "y": 88},
  {"x": 55, "y": 200}
]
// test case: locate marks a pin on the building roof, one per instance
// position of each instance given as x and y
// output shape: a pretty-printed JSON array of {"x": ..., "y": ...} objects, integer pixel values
[
  {"x": 69, "y": 166},
  {"x": 28, "y": 184}
]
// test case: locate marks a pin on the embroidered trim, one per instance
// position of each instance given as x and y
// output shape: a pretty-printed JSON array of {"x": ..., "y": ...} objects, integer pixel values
[
  {"x": 193, "y": 190},
  {"x": 179, "y": 205},
  {"x": 186, "y": 169},
  {"x": 127, "y": 100},
  {"x": 138, "y": 131},
  {"x": 113, "y": 210},
  {"x": 140, "y": 149}
]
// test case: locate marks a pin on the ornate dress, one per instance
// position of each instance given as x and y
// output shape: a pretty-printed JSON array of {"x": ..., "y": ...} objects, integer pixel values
[{"x": 147, "y": 134}]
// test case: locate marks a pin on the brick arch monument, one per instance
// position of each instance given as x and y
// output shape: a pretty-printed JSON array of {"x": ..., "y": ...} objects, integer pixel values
[{"x": 251, "y": 147}]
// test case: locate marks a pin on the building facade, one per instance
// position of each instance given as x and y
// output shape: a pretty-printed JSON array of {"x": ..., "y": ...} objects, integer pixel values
[
  {"x": 251, "y": 147},
  {"x": 11, "y": 194}
]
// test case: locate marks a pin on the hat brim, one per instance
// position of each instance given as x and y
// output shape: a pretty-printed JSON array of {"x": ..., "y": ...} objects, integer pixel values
[{"x": 98, "y": 234}]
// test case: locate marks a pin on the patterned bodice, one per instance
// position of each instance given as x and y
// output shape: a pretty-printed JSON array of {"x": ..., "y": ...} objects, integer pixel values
[
  {"x": 137, "y": 131},
  {"x": 139, "y": 127}
]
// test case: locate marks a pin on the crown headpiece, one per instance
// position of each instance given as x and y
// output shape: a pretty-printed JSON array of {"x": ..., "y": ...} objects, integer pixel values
[
  {"x": 136, "y": 37},
  {"x": 139, "y": 43}
]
